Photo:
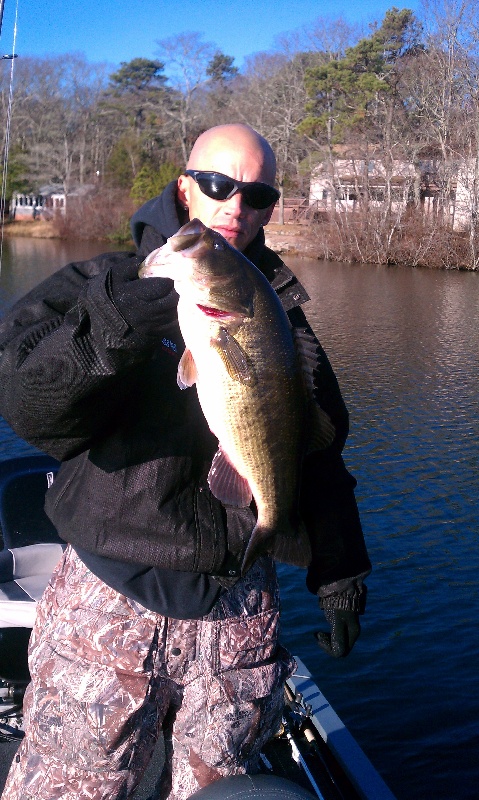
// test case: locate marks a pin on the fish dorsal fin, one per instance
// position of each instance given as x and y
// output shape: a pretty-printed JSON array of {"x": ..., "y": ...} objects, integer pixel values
[
  {"x": 226, "y": 483},
  {"x": 236, "y": 361},
  {"x": 322, "y": 430},
  {"x": 187, "y": 373},
  {"x": 308, "y": 351}
]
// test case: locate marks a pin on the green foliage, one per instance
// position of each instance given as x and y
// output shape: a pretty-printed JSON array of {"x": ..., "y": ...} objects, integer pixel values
[
  {"x": 137, "y": 75},
  {"x": 220, "y": 69},
  {"x": 17, "y": 171},
  {"x": 150, "y": 181},
  {"x": 124, "y": 162},
  {"x": 343, "y": 92},
  {"x": 134, "y": 98},
  {"x": 122, "y": 233}
]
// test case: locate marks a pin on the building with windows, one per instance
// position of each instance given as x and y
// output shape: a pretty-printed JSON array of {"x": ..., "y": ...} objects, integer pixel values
[
  {"x": 348, "y": 184},
  {"x": 48, "y": 201},
  {"x": 352, "y": 185}
]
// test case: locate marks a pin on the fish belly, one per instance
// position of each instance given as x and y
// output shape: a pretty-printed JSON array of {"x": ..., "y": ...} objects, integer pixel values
[{"x": 249, "y": 422}]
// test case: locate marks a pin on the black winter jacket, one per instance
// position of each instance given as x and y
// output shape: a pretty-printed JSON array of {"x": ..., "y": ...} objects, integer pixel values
[{"x": 88, "y": 374}]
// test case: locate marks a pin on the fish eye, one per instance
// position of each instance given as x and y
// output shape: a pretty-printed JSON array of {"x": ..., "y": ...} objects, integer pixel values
[{"x": 218, "y": 245}]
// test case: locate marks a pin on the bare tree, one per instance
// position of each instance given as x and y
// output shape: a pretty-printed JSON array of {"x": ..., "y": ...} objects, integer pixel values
[
  {"x": 53, "y": 121},
  {"x": 453, "y": 35},
  {"x": 186, "y": 58}
]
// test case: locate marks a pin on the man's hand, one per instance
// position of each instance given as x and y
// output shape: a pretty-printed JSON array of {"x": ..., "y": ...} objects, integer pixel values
[
  {"x": 345, "y": 629},
  {"x": 145, "y": 305}
]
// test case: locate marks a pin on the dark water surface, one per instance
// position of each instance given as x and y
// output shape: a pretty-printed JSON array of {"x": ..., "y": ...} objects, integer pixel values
[{"x": 405, "y": 346}]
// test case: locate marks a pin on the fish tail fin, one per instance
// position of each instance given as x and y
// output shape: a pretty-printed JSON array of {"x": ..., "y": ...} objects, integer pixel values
[
  {"x": 296, "y": 552},
  {"x": 289, "y": 545}
]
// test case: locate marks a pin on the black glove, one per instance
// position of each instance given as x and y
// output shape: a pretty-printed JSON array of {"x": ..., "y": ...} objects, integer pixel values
[
  {"x": 144, "y": 303},
  {"x": 345, "y": 629}
]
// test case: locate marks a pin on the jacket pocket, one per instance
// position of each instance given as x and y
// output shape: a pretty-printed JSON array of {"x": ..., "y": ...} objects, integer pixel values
[
  {"x": 247, "y": 641},
  {"x": 229, "y": 717}
]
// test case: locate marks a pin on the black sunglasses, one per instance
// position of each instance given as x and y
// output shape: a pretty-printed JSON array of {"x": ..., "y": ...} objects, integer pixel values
[{"x": 221, "y": 187}]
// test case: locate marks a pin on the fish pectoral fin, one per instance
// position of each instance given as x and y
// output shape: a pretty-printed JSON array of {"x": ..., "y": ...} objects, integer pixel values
[
  {"x": 323, "y": 432},
  {"x": 187, "y": 373},
  {"x": 236, "y": 361},
  {"x": 227, "y": 485}
]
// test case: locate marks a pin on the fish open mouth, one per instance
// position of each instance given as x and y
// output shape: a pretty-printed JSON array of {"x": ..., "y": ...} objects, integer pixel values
[{"x": 214, "y": 312}]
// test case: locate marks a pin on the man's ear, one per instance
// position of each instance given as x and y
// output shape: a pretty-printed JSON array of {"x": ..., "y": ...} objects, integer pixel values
[
  {"x": 183, "y": 190},
  {"x": 268, "y": 214}
]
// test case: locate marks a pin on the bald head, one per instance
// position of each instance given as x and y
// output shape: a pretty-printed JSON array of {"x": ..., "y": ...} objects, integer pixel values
[{"x": 231, "y": 145}]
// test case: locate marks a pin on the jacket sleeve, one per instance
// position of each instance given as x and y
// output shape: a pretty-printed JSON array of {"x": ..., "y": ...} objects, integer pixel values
[
  {"x": 65, "y": 349},
  {"x": 328, "y": 505}
]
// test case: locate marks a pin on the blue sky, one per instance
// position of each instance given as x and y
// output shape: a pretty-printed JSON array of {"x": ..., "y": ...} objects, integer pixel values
[{"x": 118, "y": 30}]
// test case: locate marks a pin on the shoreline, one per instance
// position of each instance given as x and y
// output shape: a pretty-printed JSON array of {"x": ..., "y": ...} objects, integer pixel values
[
  {"x": 291, "y": 239},
  {"x": 288, "y": 239},
  {"x": 36, "y": 229}
]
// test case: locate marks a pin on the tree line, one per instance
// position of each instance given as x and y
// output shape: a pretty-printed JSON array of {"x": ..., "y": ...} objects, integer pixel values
[{"x": 406, "y": 90}]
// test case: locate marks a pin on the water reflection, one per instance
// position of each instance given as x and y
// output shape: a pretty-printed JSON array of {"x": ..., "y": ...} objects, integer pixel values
[{"x": 27, "y": 261}]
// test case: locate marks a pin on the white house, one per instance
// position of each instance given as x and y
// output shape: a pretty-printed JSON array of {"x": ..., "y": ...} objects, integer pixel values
[
  {"x": 343, "y": 186},
  {"x": 48, "y": 201},
  {"x": 345, "y": 183},
  {"x": 466, "y": 194}
]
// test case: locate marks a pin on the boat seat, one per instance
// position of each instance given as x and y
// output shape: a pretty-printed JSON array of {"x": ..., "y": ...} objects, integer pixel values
[
  {"x": 29, "y": 543},
  {"x": 22, "y": 496},
  {"x": 253, "y": 787},
  {"x": 24, "y": 575}
]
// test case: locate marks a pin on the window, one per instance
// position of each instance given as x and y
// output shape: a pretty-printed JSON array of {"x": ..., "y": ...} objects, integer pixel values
[{"x": 376, "y": 194}]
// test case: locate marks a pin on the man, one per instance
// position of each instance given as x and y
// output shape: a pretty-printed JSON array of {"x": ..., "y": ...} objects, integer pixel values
[{"x": 147, "y": 622}]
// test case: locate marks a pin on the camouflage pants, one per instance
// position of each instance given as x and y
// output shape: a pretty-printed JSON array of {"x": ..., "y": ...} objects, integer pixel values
[{"x": 108, "y": 675}]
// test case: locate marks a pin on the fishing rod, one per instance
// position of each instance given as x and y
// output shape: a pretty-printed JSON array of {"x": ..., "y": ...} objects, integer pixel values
[
  {"x": 6, "y": 148},
  {"x": 2, "y": 8}
]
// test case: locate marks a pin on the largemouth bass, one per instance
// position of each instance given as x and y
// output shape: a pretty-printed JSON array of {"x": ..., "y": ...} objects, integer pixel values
[{"x": 241, "y": 354}]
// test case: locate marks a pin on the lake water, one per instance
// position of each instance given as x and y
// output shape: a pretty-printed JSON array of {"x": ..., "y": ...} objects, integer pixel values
[{"x": 405, "y": 346}]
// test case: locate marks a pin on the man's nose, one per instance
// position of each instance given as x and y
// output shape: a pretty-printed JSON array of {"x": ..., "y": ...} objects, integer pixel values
[{"x": 236, "y": 204}]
